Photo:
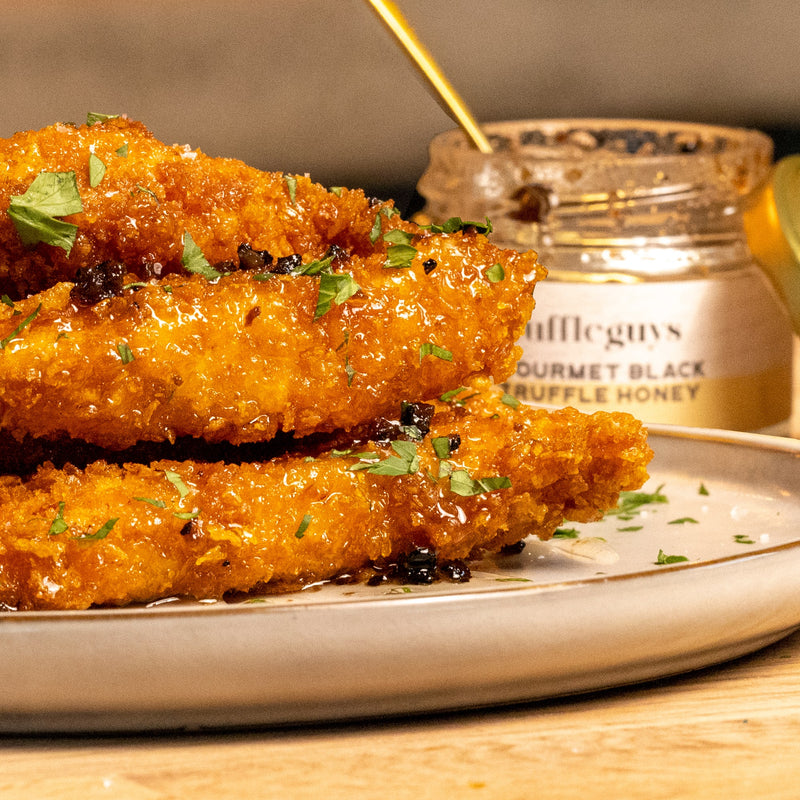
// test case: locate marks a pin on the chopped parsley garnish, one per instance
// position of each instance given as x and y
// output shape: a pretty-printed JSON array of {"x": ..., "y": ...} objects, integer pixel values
[
  {"x": 96, "y": 170},
  {"x": 462, "y": 484},
  {"x": 631, "y": 502},
  {"x": 452, "y": 394},
  {"x": 442, "y": 446},
  {"x": 400, "y": 254},
  {"x": 58, "y": 525},
  {"x": 101, "y": 533},
  {"x": 7, "y": 301},
  {"x": 630, "y": 528},
  {"x": 122, "y": 150},
  {"x": 742, "y": 538},
  {"x": 455, "y": 224},
  {"x": 151, "y": 501},
  {"x": 303, "y": 527},
  {"x": 144, "y": 190},
  {"x": 702, "y": 490},
  {"x": 334, "y": 288},
  {"x": 188, "y": 515},
  {"x": 125, "y": 352},
  {"x": 406, "y": 462},
  {"x": 683, "y": 521},
  {"x": 663, "y": 558},
  {"x": 315, "y": 267},
  {"x": 177, "y": 482},
  {"x": 509, "y": 400},
  {"x": 24, "y": 324},
  {"x": 291, "y": 185},
  {"x": 337, "y": 190},
  {"x": 93, "y": 117},
  {"x": 430, "y": 349},
  {"x": 194, "y": 260},
  {"x": 566, "y": 533},
  {"x": 349, "y": 371},
  {"x": 50, "y": 195},
  {"x": 495, "y": 273}
]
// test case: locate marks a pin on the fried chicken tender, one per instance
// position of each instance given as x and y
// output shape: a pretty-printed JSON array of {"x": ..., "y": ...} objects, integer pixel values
[
  {"x": 151, "y": 194},
  {"x": 247, "y": 355},
  {"x": 486, "y": 475}
]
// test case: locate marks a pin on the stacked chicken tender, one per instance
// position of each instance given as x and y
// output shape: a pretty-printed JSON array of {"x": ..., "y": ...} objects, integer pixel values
[{"x": 155, "y": 295}]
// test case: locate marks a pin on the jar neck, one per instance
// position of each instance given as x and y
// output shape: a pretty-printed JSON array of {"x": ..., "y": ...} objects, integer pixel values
[{"x": 604, "y": 190}]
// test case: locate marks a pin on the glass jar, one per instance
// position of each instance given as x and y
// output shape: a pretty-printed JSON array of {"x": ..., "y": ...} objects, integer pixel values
[{"x": 653, "y": 303}]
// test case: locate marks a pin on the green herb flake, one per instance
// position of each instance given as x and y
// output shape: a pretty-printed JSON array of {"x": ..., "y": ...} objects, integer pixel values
[
  {"x": 303, "y": 527},
  {"x": 445, "y": 469},
  {"x": 462, "y": 484},
  {"x": 97, "y": 169},
  {"x": 144, "y": 190},
  {"x": 122, "y": 151},
  {"x": 101, "y": 533},
  {"x": 291, "y": 185},
  {"x": 177, "y": 482},
  {"x": 318, "y": 266},
  {"x": 509, "y": 400},
  {"x": 337, "y": 190},
  {"x": 630, "y": 503},
  {"x": 375, "y": 233},
  {"x": 566, "y": 533},
  {"x": 349, "y": 371},
  {"x": 187, "y": 515},
  {"x": 406, "y": 462},
  {"x": 683, "y": 521},
  {"x": 7, "y": 301},
  {"x": 24, "y": 324},
  {"x": 513, "y": 580},
  {"x": 151, "y": 501},
  {"x": 702, "y": 490},
  {"x": 58, "y": 525},
  {"x": 452, "y": 394},
  {"x": 495, "y": 273},
  {"x": 194, "y": 260},
  {"x": 742, "y": 538},
  {"x": 441, "y": 446},
  {"x": 663, "y": 558},
  {"x": 34, "y": 213},
  {"x": 630, "y": 528},
  {"x": 430, "y": 349},
  {"x": 400, "y": 254},
  {"x": 334, "y": 289},
  {"x": 92, "y": 117},
  {"x": 125, "y": 352},
  {"x": 455, "y": 224}
]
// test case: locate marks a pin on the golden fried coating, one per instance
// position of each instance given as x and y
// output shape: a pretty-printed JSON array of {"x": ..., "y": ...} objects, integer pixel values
[
  {"x": 150, "y": 194},
  {"x": 486, "y": 475},
  {"x": 243, "y": 356}
]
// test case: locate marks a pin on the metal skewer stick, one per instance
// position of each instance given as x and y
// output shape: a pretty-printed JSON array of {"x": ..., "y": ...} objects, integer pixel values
[{"x": 445, "y": 93}]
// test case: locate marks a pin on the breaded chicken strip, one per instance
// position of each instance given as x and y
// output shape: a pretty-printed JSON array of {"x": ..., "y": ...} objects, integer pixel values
[
  {"x": 329, "y": 344},
  {"x": 137, "y": 198},
  {"x": 483, "y": 475}
]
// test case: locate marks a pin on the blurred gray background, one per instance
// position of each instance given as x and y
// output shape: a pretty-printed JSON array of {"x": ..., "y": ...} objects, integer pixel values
[{"x": 318, "y": 86}]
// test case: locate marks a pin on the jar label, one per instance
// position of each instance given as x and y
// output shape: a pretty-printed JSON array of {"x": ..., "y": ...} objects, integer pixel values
[{"x": 710, "y": 352}]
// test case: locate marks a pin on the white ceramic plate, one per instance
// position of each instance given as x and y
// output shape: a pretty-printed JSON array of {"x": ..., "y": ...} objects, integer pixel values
[{"x": 569, "y": 616}]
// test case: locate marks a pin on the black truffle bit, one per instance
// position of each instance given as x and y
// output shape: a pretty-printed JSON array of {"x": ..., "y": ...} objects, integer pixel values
[
  {"x": 429, "y": 265},
  {"x": 418, "y": 566},
  {"x": 417, "y": 415},
  {"x": 98, "y": 282},
  {"x": 253, "y": 259}
]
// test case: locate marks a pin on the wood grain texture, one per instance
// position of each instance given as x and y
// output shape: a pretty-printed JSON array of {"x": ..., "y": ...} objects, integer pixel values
[{"x": 732, "y": 731}]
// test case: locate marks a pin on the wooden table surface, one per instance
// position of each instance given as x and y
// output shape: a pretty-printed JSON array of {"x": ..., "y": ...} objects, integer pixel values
[{"x": 731, "y": 731}]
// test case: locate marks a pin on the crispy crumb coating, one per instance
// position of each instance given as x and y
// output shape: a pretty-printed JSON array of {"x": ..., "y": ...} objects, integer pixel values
[
  {"x": 244, "y": 356},
  {"x": 152, "y": 193},
  {"x": 204, "y": 529}
]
